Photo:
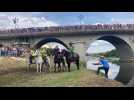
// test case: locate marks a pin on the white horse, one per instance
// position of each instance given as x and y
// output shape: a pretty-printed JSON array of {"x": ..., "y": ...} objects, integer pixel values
[{"x": 38, "y": 61}]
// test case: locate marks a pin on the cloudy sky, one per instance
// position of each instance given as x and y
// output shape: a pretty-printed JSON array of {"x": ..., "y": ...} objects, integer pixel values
[
  {"x": 33, "y": 19},
  {"x": 42, "y": 19}
]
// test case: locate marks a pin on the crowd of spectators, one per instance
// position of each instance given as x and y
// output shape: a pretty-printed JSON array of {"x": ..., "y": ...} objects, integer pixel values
[
  {"x": 11, "y": 51},
  {"x": 71, "y": 28}
]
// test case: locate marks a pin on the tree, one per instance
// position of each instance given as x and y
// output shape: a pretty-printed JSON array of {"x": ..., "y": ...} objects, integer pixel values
[{"x": 112, "y": 53}]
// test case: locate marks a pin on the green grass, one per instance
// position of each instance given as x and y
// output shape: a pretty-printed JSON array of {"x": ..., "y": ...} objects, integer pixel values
[{"x": 14, "y": 73}]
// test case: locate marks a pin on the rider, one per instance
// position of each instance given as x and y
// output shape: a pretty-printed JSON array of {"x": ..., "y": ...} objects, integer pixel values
[
  {"x": 43, "y": 52},
  {"x": 71, "y": 48},
  {"x": 56, "y": 49}
]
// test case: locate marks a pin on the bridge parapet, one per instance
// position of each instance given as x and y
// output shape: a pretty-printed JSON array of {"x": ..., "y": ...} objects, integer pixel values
[{"x": 64, "y": 29}]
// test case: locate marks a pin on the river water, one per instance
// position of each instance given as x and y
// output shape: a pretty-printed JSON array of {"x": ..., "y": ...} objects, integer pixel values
[{"x": 113, "y": 71}]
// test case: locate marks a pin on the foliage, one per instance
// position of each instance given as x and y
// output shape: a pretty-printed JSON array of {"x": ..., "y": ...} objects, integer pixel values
[{"x": 112, "y": 53}]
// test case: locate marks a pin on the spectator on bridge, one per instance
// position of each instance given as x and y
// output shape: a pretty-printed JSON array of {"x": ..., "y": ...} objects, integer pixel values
[{"x": 105, "y": 66}]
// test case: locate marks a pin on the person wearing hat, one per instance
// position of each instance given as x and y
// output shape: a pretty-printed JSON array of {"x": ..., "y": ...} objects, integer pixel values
[
  {"x": 43, "y": 52},
  {"x": 105, "y": 65},
  {"x": 56, "y": 50},
  {"x": 71, "y": 48}
]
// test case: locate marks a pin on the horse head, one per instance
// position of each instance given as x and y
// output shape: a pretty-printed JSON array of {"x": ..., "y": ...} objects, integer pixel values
[{"x": 64, "y": 52}]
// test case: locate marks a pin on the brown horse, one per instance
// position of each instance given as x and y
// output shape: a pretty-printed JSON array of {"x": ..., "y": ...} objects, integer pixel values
[
  {"x": 71, "y": 58},
  {"x": 58, "y": 59}
]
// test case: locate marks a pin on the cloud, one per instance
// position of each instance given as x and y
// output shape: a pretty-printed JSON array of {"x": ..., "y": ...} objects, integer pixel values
[
  {"x": 100, "y": 49},
  {"x": 24, "y": 20},
  {"x": 117, "y": 21},
  {"x": 100, "y": 43},
  {"x": 100, "y": 46},
  {"x": 122, "y": 20},
  {"x": 98, "y": 23}
]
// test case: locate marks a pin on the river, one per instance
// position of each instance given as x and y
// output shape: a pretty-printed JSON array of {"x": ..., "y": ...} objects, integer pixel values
[{"x": 113, "y": 71}]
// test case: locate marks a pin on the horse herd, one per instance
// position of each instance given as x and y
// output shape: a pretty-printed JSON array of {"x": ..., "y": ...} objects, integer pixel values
[{"x": 60, "y": 60}]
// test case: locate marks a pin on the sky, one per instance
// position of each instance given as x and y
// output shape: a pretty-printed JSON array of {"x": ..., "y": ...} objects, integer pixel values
[
  {"x": 43, "y": 19},
  {"x": 100, "y": 46}
]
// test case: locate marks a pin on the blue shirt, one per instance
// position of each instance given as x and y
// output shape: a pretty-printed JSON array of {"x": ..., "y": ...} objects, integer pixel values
[{"x": 104, "y": 62}]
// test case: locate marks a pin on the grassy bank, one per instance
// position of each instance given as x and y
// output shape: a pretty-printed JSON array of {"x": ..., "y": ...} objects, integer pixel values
[{"x": 14, "y": 73}]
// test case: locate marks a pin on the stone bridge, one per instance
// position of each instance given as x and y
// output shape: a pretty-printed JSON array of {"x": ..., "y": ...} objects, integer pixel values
[{"x": 121, "y": 36}]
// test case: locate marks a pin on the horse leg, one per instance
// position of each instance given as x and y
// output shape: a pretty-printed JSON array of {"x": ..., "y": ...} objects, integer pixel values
[
  {"x": 40, "y": 66},
  {"x": 69, "y": 67},
  {"x": 77, "y": 64},
  {"x": 44, "y": 67},
  {"x": 37, "y": 67},
  {"x": 58, "y": 67},
  {"x": 48, "y": 67},
  {"x": 55, "y": 67},
  {"x": 64, "y": 67},
  {"x": 28, "y": 67}
]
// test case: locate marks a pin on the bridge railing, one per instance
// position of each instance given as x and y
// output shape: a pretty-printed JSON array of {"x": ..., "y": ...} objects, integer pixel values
[{"x": 75, "y": 28}]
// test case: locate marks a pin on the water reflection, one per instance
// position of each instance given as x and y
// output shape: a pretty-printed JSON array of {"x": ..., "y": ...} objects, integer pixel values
[{"x": 113, "y": 71}]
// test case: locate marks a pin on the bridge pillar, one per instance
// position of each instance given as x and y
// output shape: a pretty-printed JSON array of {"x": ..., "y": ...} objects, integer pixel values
[
  {"x": 126, "y": 72},
  {"x": 81, "y": 49},
  {"x": 131, "y": 83}
]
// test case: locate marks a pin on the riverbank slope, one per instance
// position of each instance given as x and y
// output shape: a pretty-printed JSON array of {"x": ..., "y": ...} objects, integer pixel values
[{"x": 14, "y": 72}]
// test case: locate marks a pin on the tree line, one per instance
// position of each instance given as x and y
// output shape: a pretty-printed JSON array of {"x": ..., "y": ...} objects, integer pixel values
[{"x": 112, "y": 53}]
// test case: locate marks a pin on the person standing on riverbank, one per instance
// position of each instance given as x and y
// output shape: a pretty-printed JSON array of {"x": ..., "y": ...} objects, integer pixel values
[{"x": 105, "y": 66}]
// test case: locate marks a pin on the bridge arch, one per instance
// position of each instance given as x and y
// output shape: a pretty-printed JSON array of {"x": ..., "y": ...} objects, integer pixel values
[
  {"x": 125, "y": 53},
  {"x": 50, "y": 39},
  {"x": 123, "y": 48}
]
